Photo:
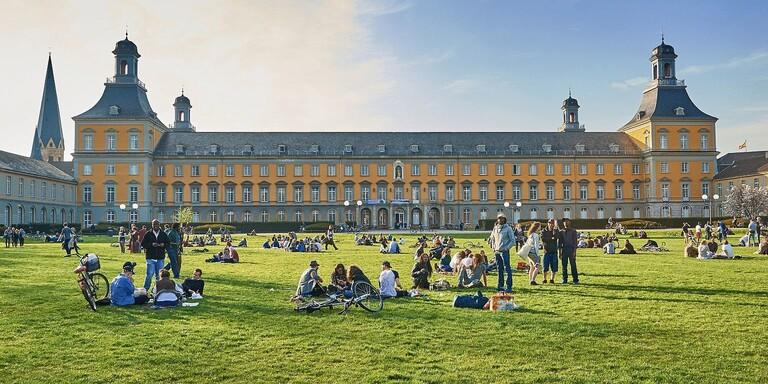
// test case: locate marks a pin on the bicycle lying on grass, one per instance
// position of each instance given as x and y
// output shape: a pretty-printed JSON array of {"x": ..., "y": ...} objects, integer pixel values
[
  {"x": 363, "y": 295},
  {"x": 473, "y": 244},
  {"x": 94, "y": 286}
]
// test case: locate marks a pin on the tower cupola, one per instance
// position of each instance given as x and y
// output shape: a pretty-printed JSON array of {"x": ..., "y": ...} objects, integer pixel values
[
  {"x": 126, "y": 61},
  {"x": 181, "y": 108},
  {"x": 571, "y": 115},
  {"x": 663, "y": 64}
]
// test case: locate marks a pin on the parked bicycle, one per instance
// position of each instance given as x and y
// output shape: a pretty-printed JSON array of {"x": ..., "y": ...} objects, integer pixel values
[
  {"x": 363, "y": 295},
  {"x": 473, "y": 244},
  {"x": 94, "y": 285}
]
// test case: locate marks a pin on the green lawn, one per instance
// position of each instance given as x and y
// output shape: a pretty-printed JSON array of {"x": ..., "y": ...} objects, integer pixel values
[{"x": 635, "y": 318}]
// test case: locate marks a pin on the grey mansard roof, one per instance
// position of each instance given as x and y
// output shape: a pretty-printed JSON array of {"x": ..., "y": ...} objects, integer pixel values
[
  {"x": 396, "y": 143},
  {"x": 661, "y": 102},
  {"x": 20, "y": 164},
  {"x": 131, "y": 100},
  {"x": 740, "y": 164}
]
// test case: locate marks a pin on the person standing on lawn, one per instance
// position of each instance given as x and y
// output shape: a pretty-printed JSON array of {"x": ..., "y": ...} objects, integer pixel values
[
  {"x": 549, "y": 236},
  {"x": 501, "y": 240},
  {"x": 65, "y": 238},
  {"x": 329, "y": 238},
  {"x": 568, "y": 242},
  {"x": 155, "y": 243},
  {"x": 174, "y": 250}
]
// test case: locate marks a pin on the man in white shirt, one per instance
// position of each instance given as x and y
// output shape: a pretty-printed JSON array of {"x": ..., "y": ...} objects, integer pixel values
[
  {"x": 387, "y": 281},
  {"x": 609, "y": 248}
]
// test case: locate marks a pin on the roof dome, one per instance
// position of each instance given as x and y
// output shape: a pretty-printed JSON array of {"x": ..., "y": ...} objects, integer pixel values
[
  {"x": 126, "y": 47},
  {"x": 570, "y": 102},
  {"x": 664, "y": 50},
  {"x": 181, "y": 99}
]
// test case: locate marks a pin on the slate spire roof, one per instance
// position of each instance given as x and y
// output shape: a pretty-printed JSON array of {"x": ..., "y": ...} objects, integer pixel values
[{"x": 49, "y": 121}]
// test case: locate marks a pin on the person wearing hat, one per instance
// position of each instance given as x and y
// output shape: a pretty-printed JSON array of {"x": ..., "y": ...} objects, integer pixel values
[
  {"x": 310, "y": 283},
  {"x": 502, "y": 238},
  {"x": 123, "y": 291}
]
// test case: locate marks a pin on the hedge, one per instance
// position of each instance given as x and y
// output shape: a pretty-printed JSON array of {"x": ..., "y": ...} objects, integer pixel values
[{"x": 43, "y": 228}]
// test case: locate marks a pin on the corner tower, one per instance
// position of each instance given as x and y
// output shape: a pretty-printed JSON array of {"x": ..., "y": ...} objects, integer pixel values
[
  {"x": 48, "y": 143},
  {"x": 181, "y": 109},
  {"x": 571, "y": 115}
]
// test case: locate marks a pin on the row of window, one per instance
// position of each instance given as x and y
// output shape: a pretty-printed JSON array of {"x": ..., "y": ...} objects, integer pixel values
[
  {"x": 41, "y": 216},
  {"x": 110, "y": 141},
  {"x": 39, "y": 190},
  {"x": 683, "y": 140},
  {"x": 685, "y": 167}
]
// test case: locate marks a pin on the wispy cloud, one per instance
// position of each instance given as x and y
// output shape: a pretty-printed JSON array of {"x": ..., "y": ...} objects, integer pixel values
[
  {"x": 755, "y": 108},
  {"x": 753, "y": 58},
  {"x": 463, "y": 85},
  {"x": 435, "y": 58},
  {"x": 630, "y": 83},
  {"x": 383, "y": 7}
]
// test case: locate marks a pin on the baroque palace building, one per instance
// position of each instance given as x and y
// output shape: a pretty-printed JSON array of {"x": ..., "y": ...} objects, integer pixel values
[{"x": 657, "y": 165}]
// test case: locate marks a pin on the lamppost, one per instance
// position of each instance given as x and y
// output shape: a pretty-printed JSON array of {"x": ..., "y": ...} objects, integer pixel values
[
  {"x": 122, "y": 208},
  {"x": 709, "y": 199},
  {"x": 346, "y": 209},
  {"x": 359, "y": 217},
  {"x": 506, "y": 207}
]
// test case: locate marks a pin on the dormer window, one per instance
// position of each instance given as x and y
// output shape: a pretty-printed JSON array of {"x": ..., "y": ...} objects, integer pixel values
[
  {"x": 382, "y": 148},
  {"x": 679, "y": 111},
  {"x": 640, "y": 115},
  {"x": 214, "y": 148},
  {"x": 448, "y": 148},
  {"x": 514, "y": 148},
  {"x": 580, "y": 148},
  {"x": 614, "y": 148},
  {"x": 414, "y": 148},
  {"x": 114, "y": 110},
  {"x": 314, "y": 148},
  {"x": 480, "y": 148},
  {"x": 547, "y": 148},
  {"x": 281, "y": 148},
  {"x": 179, "y": 148},
  {"x": 248, "y": 149},
  {"x": 348, "y": 148}
]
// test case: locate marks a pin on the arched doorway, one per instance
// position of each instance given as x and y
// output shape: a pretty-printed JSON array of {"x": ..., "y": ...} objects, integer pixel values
[
  {"x": 416, "y": 217},
  {"x": 63, "y": 216},
  {"x": 383, "y": 218},
  {"x": 365, "y": 215},
  {"x": 21, "y": 215},
  {"x": 7, "y": 215},
  {"x": 400, "y": 218},
  {"x": 433, "y": 218}
]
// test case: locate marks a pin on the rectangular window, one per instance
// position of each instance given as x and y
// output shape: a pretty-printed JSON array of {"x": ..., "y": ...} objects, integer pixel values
[
  {"x": 483, "y": 192},
  {"x": 364, "y": 171},
  {"x": 314, "y": 193},
  {"x": 213, "y": 193},
  {"x": 247, "y": 171},
  {"x": 133, "y": 169},
  {"x": 332, "y": 170},
  {"x": 533, "y": 169},
  {"x": 195, "y": 170},
  {"x": 550, "y": 191},
  {"x": 348, "y": 170},
  {"x": 110, "y": 194},
  {"x": 665, "y": 191},
  {"x": 381, "y": 192},
  {"x": 449, "y": 193},
  {"x": 332, "y": 193},
  {"x": 549, "y": 170},
  {"x": 8, "y": 186},
  {"x": 516, "y": 193},
  {"x": 705, "y": 167},
  {"x": 178, "y": 194},
  {"x": 635, "y": 168},
  {"x": 449, "y": 169},
  {"x": 178, "y": 171},
  {"x": 111, "y": 142},
  {"x": 516, "y": 169},
  {"x": 87, "y": 170},
  {"x": 618, "y": 191},
  {"x": 566, "y": 191},
  {"x": 229, "y": 193},
  {"x": 213, "y": 170},
  {"x": 683, "y": 141},
  {"x": 161, "y": 170},
  {"x": 134, "y": 141},
  {"x": 599, "y": 168},
  {"x": 133, "y": 194},
  {"x": 533, "y": 192},
  {"x": 314, "y": 170},
  {"x": 87, "y": 194},
  {"x": 195, "y": 193},
  {"x": 685, "y": 191},
  {"x": 636, "y": 191},
  {"x": 582, "y": 169},
  {"x": 415, "y": 193},
  {"x": 381, "y": 170},
  {"x": 349, "y": 193},
  {"x": 399, "y": 192},
  {"x": 88, "y": 142},
  {"x": 264, "y": 194},
  {"x": 500, "y": 192},
  {"x": 466, "y": 193},
  {"x": 583, "y": 192},
  {"x": 109, "y": 169},
  {"x": 298, "y": 170},
  {"x": 566, "y": 169},
  {"x": 600, "y": 192},
  {"x": 365, "y": 192},
  {"x": 705, "y": 188},
  {"x": 415, "y": 169},
  {"x": 618, "y": 169},
  {"x": 500, "y": 169},
  {"x": 466, "y": 169},
  {"x": 704, "y": 141},
  {"x": 663, "y": 141},
  {"x": 161, "y": 194},
  {"x": 432, "y": 193},
  {"x": 298, "y": 194},
  {"x": 281, "y": 170},
  {"x": 263, "y": 170},
  {"x": 229, "y": 170},
  {"x": 684, "y": 167},
  {"x": 483, "y": 169},
  {"x": 664, "y": 167},
  {"x": 432, "y": 170}
]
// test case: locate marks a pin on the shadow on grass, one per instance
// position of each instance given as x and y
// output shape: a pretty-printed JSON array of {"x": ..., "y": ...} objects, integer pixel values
[{"x": 679, "y": 290}]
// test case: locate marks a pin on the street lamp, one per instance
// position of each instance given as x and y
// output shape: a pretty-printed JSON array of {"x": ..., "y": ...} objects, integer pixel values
[
  {"x": 359, "y": 217},
  {"x": 517, "y": 211},
  {"x": 122, "y": 208},
  {"x": 708, "y": 199}
]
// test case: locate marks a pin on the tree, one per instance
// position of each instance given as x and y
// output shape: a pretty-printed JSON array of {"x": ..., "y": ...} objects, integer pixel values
[
  {"x": 184, "y": 215},
  {"x": 746, "y": 201}
]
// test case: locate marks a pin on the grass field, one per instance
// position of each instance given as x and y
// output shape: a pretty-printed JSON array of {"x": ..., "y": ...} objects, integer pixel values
[{"x": 653, "y": 318}]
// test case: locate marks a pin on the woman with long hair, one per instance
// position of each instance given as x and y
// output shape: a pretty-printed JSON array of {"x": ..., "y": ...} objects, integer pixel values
[
  {"x": 356, "y": 274},
  {"x": 339, "y": 279},
  {"x": 421, "y": 272},
  {"x": 121, "y": 239},
  {"x": 533, "y": 255}
]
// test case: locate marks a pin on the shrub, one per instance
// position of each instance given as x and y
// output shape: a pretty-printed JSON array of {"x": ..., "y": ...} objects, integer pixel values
[
  {"x": 640, "y": 224},
  {"x": 213, "y": 227}
]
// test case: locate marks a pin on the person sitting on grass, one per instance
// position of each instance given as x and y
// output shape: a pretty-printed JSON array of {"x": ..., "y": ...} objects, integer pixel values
[
  {"x": 704, "y": 252},
  {"x": 339, "y": 281},
  {"x": 394, "y": 247},
  {"x": 165, "y": 291},
  {"x": 243, "y": 243},
  {"x": 310, "y": 283},
  {"x": 744, "y": 240},
  {"x": 609, "y": 248},
  {"x": 194, "y": 284},
  {"x": 763, "y": 250},
  {"x": 445, "y": 262},
  {"x": 421, "y": 272},
  {"x": 389, "y": 282},
  {"x": 267, "y": 244},
  {"x": 690, "y": 249},
  {"x": 712, "y": 244},
  {"x": 383, "y": 248},
  {"x": 628, "y": 249},
  {"x": 474, "y": 276},
  {"x": 355, "y": 274},
  {"x": 727, "y": 252},
  {"x": 123, "y": 291}
]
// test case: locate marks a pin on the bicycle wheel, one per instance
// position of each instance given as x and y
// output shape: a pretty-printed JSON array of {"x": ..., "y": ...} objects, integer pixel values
[
  {"x": 100, "y": 286},
  {"x": 469, "y": 245},
  {"x": 86, "y": 289},
  {"x": 308, "y": 307},
  {"x": 367, "y": 296}
]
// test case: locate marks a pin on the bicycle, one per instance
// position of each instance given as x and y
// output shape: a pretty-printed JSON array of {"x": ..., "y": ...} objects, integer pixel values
[
  {"x": 363, "y": 295},
  {"x": 94, "y": 285},
  {"x": 472, "y": 244}
]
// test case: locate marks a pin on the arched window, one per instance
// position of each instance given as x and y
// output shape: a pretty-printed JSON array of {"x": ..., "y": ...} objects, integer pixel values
[
  {"x": 667, "y": 70},
  {"x": 181, "y": 115},
  {"x": 534, "y": 214},
  {"x": 571, "y": 117},
  {"x": 123, "y": 67},
  {"x": 550, "y": 213},
  {"x": 212, "y": 216},
  {"x": 566, "y": 213},
  {"x": 315, "y": 215},
  {"x": 655, "y": 72},
  {"x": 600, "y": 213},
  {"x": 230, "y": 217}
]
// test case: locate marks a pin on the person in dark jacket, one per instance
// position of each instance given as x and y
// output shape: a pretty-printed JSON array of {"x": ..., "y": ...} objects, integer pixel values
[
  {"x": 154, "y": 243},
  {"x": 549, "y": 236},
  {"x": 568, "y": 241},
  {"x": 629, "y": 249},
  {"x": 421, "y": 272}
]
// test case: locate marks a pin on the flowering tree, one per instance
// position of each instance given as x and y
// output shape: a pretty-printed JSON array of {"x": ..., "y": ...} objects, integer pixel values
[
  {"x": 746, "y": 201},
  {"x": 184, "y": 215}
]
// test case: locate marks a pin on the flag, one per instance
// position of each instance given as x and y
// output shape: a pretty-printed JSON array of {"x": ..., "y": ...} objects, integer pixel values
[{"x": 743, "y": 146}]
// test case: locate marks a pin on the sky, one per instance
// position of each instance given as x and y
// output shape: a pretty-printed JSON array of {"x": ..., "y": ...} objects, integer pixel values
[{"x": 388, "y": 65}]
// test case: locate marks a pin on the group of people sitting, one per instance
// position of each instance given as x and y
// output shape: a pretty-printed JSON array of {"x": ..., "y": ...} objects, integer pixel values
[
  {"x": 707, "y": 249},
  {"x": 227, "y": 255},
  {"x": 342, "y": 281},
  {"x": 167, "y": 292},
  {"x": 471, "y": 268},
  {"x": 291, "y": 243},
  {"x": 599, "y": 241}
]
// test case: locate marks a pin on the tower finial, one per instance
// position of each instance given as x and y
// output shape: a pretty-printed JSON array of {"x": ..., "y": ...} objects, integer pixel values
[
  {"x": 182, "y": 90},
  {"x": 126, "y": 31},
  {"x": 662, "y": 34},
  {"x": 569, "y": 91}
]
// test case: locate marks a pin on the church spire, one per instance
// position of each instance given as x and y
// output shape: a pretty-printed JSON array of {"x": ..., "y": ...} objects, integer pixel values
[{"x": 48, "y": 143}]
